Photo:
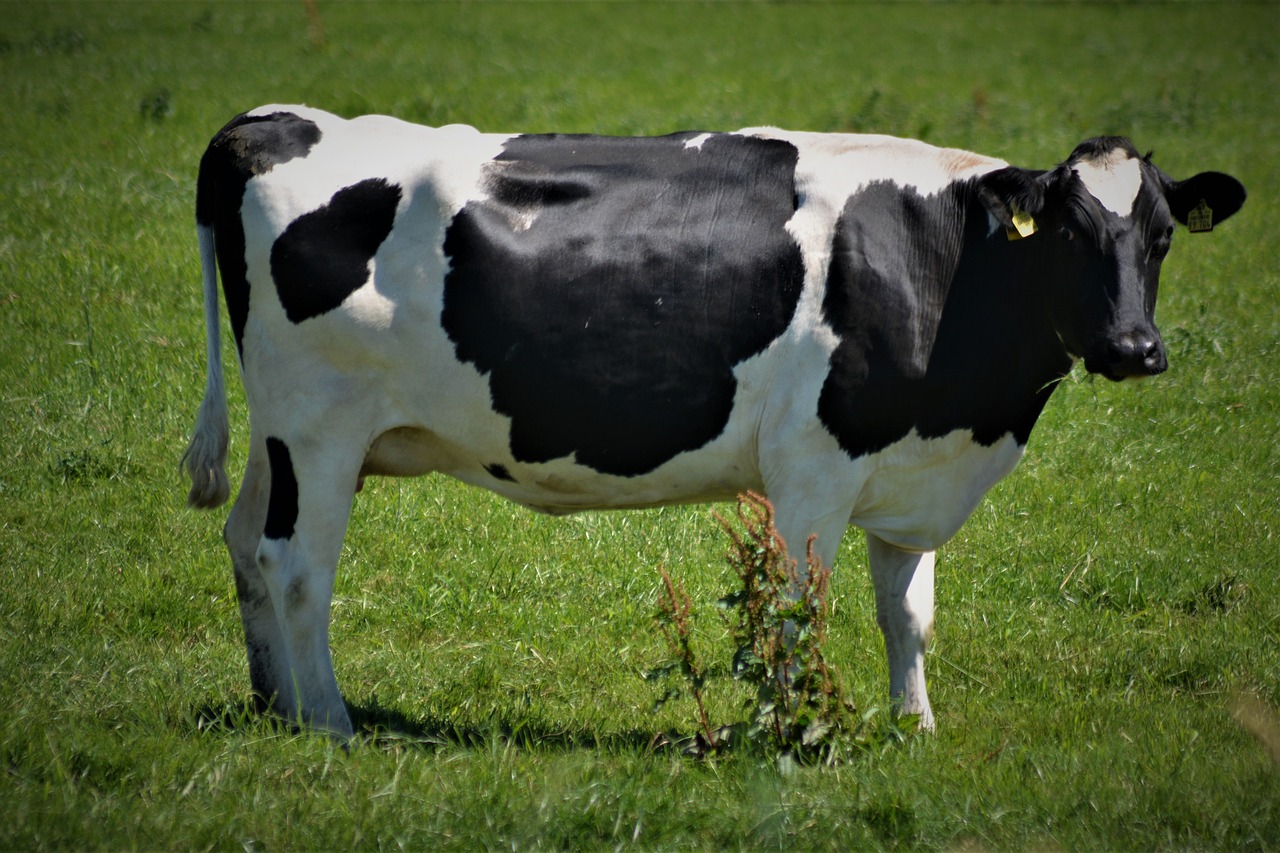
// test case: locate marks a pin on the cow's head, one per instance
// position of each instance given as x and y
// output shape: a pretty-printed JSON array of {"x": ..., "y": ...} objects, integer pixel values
[{"x": 1103, "y": 221}]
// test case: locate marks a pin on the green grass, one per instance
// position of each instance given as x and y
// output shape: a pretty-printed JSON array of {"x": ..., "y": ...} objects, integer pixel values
[{"x": 1096, "y": 615}]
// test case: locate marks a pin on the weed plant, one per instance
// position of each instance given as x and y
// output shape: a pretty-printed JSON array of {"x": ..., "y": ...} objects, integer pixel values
[{"x": 777, "y": 617}]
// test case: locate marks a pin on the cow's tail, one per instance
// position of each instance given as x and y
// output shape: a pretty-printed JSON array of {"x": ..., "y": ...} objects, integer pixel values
[{"x": 206, "y": 458}]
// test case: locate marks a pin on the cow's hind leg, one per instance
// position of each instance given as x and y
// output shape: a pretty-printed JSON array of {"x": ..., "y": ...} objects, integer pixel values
[
  {"x": 904, "y": 608},
  {"x": 268, "y": 657},
  {"x": 312, "y": 487}
]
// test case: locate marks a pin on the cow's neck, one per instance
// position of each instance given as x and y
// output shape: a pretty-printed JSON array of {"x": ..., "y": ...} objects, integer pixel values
[{"x": 996, "y": 338}]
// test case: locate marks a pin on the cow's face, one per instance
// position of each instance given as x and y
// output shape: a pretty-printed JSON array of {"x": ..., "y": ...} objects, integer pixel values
[
  {"x": 1105, "y": 222},
  {"x": 1108, "y": 227}
]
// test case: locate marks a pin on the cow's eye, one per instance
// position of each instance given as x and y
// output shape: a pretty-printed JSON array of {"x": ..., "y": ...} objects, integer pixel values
[{"x": 1066, "y": 233}]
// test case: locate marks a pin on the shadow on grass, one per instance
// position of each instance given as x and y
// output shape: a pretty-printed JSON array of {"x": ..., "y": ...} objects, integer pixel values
[{"x": 379, "y": 726}]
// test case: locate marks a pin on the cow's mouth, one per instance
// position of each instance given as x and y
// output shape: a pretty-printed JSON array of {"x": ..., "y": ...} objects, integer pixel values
[{"x": 1128, "y": 358}]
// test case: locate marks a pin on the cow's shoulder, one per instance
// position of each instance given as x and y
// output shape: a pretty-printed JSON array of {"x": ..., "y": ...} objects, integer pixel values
[{"x": 891, "y": 216}]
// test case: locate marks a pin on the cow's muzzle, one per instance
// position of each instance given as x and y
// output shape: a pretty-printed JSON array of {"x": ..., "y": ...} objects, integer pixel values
[{"x": 1131, "y": 356}]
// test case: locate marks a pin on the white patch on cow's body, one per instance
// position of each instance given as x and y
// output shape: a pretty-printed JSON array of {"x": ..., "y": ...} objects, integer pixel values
[
  {"x": 523, "y": 221},
  {"x": 1114, "y": 180},
  {"x": 696, "y": 142},
  {"x": 838, "y": 165},
  {"x": 369, "y": 308}
]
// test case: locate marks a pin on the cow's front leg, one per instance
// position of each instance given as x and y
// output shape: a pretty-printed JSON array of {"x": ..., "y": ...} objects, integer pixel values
[
  {"x": 307, "y": 514},
  {"x": 904, "y": 608},
  {"x": 810, "y": 528}
]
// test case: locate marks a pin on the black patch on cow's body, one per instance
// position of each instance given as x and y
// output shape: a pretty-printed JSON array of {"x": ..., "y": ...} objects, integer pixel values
[
  {"x": 247, "y": 146},
  {"x": 939, "y": 329},
  {"x": 499, "y": 472},
  {"x": 282, "y": 503},
  {"x": 609, "y": 286},
  {"x": 323, "y": 256}
]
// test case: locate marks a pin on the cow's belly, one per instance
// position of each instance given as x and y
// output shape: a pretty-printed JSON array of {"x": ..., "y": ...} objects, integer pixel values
[
  {"x": 713, "y": 473},
  {"x": 467, "y": 438},
  {"x": 919, "y": 491}
]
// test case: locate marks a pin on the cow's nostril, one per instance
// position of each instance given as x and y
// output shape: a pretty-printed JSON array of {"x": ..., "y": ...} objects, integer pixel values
[
  {"x": 1153, "y": 358},
  {"x": 1136, "y": 355}
]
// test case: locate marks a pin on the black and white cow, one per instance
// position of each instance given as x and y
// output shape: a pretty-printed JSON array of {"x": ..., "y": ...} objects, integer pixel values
[{"x": 844, "y": 323}]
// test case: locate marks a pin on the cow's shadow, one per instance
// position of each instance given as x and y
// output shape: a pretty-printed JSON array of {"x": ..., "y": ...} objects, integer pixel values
[
  {"x": 387, "y": 725},
  {"x": 378, "y": 726}
]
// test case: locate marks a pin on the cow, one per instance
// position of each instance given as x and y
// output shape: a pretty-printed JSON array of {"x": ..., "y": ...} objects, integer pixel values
[{"x": 860, "y": 327}]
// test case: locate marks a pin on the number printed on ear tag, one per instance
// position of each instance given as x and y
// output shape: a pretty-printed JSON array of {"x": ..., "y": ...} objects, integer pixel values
[{"x": 1200, "y": 219}]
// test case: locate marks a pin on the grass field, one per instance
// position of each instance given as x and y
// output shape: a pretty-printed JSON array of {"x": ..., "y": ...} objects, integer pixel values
[{"x": 1098, "y": 616}]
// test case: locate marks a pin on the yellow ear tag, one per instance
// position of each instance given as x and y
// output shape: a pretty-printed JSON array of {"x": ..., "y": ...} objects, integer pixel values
[
  {"x": 1200, "y": 219},
  {"x": 1023, "y": 224}
]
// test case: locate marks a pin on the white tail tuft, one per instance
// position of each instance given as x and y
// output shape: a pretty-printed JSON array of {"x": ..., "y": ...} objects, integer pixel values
[{"x": 206, "y": 458}]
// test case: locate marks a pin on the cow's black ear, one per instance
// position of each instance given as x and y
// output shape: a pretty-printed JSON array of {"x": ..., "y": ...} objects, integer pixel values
[
  {"x": 1007, "y": 191},
  {"x": 1221, "y": 195}
]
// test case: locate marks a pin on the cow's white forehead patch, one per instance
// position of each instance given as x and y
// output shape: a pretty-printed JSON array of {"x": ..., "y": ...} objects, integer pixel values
[{"x": 1114, "y": 180}]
